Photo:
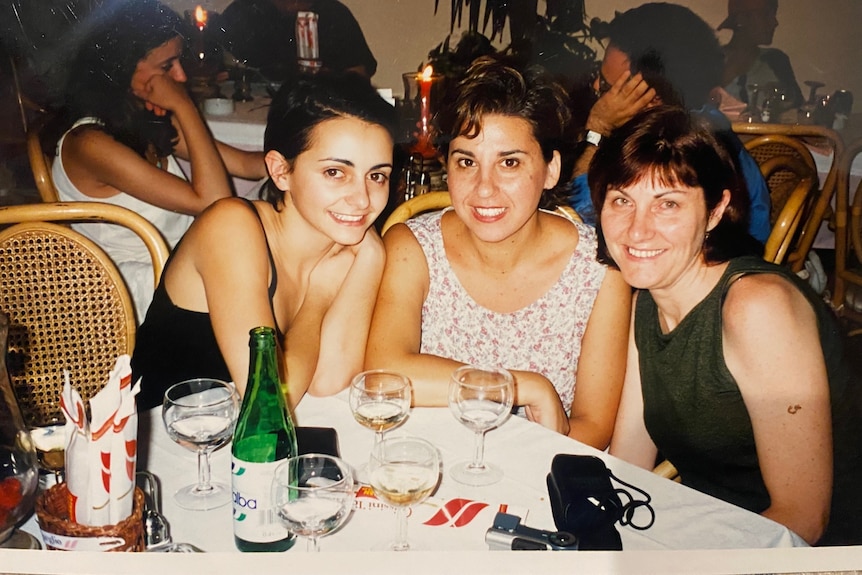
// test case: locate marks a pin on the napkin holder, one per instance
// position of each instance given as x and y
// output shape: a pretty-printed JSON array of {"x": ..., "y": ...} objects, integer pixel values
[{"x": 60, "y": 533}]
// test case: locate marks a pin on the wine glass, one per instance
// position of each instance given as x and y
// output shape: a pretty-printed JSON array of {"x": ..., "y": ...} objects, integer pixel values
[
  {"x": 49, "y": 438},
  {"x": 313, "y": 495},
  {"x": 481, "y": 399},
  {"x": 200, "y": 414},
  {"x": 380, "y": 400},
  {"x": 403, "y": 471}
]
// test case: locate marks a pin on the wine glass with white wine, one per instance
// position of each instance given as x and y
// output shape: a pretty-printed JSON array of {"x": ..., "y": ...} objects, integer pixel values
[
  {"x": 200, "y": 414},
  {"x": 380, "y": 400},
  {"x": 481, "y": 399},
  {"x": 403, "y": 471}
]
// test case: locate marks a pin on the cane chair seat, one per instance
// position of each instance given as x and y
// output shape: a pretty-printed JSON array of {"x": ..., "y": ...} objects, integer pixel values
[
  {"x": 68, "y": 306},
  {"x": 765, "y": 141}
]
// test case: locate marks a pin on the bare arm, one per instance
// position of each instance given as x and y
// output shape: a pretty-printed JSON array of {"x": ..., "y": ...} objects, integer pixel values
[
  {"x": 222, "y": 267},
  {"x": 100, "y": 166},
  {"x": 631, "y": 441},
  {"x": 628, "y": 96},
  {"x": 347, "y": 319},
  {"x": 601, "y": 368},
  {"x": 395, "y": 337},
  {"x": 772, "y": 348}
]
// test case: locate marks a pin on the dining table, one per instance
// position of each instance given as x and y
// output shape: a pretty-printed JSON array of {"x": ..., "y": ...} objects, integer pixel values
[{"x": 449, "y": 527}]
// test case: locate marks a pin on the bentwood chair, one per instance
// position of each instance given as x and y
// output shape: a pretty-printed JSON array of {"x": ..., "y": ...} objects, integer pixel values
[
  {"x": 438, "y": 200},
  {"x": 765, "y": 141},
  {"x": 40, "y": 163},
  {"x": 847, "y": 296},
  {"x": 797, "y": 205},
  {"x": 67, "y": 304}
]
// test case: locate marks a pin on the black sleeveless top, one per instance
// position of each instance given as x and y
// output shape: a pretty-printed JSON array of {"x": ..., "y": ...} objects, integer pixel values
[{"x": 175, "y": 344}]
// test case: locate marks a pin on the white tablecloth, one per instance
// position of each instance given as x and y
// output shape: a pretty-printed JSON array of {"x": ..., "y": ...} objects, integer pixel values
[{"x": 685, "y": 519}]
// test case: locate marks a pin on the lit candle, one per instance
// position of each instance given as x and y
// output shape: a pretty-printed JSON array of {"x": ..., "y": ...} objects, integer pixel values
[
  {"x": 200, "y": 18},
  {"x": 425, "y": 108}
]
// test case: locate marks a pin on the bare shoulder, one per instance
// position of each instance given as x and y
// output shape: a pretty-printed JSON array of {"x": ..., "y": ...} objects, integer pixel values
[
  {"x": 764, "y": 302},
  {"x": 400, "y": 239},
  {"x": 228, "y": 223}
]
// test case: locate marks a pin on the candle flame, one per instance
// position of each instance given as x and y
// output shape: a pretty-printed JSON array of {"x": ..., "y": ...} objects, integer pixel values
[
  {"x": 200, "y": 16},
  {"x": 427, "y": 73}
]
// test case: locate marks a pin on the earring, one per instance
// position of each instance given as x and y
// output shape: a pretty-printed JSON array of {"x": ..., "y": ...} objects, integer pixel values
[{"x": 706, "y": 235}]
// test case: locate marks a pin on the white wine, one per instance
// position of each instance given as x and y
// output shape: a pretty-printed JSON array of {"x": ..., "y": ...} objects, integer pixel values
[
  {"x": 480, "y": 415},
  {"x": 380, "y": 415},
  {"x": 403, "y": 484},
  {"x": 50, "y": 442},
  {"x": 197, "y": 431}
]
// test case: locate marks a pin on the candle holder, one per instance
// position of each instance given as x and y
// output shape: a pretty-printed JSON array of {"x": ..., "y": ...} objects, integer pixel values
[
  {"x": 203, "y": 57},
  {"x": 423, "y": 92}
]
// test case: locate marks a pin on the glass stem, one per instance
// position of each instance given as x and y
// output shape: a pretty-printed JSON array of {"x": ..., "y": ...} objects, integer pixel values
[
  {"x": 401, "y": 543},
  {"x": 203, "y": 471},
  {"x": 479, "y": 452},
  {"x": 313, "y": 544},
  {"x": 378, "y": 439}
]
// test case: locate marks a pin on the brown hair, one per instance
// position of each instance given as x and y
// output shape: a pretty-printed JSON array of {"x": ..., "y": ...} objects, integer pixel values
[{"x": 674, "y": 147}]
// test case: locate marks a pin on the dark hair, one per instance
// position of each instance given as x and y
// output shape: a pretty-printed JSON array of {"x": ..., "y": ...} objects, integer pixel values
[
  {"x": 497, "y": 85},
  {"x": 674, "y": 49},
  {"x": 112, "y": 41},
  {"x": 298, "y": 108},
  {"x": 670, "y": 146}
]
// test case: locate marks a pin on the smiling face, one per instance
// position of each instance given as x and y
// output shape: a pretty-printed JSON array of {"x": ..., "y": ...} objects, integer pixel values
[
  {"x": 497, "y": 178},
  {"x": 164, "y": 59},
  {"x": 655, "y": 231},
  {"x": 340, "y": 184}
]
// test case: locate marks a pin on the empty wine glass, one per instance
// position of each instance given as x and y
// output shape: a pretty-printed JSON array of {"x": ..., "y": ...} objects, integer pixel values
[
  {"x": 403, "y": 471},
  {"x": 481, "y": 399},
  {"x": 200, "y": 414},
  {"x": 313, "y": 495},
  {"x": 380, "y": 400}
]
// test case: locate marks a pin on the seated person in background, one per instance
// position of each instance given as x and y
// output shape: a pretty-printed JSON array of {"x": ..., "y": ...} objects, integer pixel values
[
  {"x": 126, "y": 114},
  {"x": 494, "y": 280},
  {"x": 661, "y": 53},
  {"x": 305, "y": 260},
  {"x": 262, "y": 33},
  {"x": 753, "y": 23},
  {"x": 735, "y": 369}
]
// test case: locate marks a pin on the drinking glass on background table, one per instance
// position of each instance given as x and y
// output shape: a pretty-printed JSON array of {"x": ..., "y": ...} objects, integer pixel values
[
  {"x": 200, "y": 414},
  {"x": 380, "y": 400},
  {"x": 49, "y": 438},
  {"x": 481, "y": 399},
  {"x": 313, "y": 495},
  {"x": 403, "y": 471}
]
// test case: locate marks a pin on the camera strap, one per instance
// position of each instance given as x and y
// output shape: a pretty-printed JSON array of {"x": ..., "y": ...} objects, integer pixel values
[{"x": 584, "y": 501}]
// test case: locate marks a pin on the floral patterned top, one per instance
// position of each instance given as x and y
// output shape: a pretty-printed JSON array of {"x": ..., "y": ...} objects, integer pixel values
[{"x": 543, "y": 337}]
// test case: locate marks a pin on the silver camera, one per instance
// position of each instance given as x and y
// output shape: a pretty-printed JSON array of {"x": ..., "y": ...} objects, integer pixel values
[{"x": 507, "y": 533}]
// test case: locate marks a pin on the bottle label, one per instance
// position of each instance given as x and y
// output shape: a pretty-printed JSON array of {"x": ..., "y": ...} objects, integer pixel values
[{"x": 254, "y": 516}]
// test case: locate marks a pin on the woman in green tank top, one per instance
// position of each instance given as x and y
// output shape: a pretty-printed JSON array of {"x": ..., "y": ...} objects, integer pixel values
[{"x": 735, "y": 368}]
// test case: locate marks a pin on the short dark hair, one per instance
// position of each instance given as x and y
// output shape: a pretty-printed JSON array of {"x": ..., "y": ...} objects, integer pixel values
[
  {"x": 674, "y": 49},
  {"x": 299, "y": 107},
  {"x": 670, "y": 145},
  {"x": 496, "y": 84}
]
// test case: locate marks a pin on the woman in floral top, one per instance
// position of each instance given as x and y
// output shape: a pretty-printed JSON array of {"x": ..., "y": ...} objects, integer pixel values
[{"x": 497, "y": 281}]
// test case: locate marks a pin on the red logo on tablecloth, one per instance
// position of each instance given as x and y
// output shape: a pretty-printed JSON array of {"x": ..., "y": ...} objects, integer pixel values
[{"x": 456, "y": 513}]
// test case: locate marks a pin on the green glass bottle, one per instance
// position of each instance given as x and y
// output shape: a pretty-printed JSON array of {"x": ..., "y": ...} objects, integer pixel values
[{"x": 264, "y": 437}]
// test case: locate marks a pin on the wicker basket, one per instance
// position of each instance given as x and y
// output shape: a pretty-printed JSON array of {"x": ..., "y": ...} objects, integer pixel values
[{"x": 59, "y": 533}]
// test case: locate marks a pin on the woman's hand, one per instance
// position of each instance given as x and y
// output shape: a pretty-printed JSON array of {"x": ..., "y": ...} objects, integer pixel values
[
  {"x": 540, "y": 400},
  {"x": 162, "y": 94}
]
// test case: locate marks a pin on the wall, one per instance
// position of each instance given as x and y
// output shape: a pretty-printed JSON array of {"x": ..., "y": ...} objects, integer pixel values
[{"x": 820, "y": 36}]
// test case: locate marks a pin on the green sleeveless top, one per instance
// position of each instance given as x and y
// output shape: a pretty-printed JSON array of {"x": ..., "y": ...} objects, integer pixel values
[{"x": 695, "y": 415}]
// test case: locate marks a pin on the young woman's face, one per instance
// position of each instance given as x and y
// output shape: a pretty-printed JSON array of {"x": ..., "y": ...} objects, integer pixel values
[
  {"x": 340, "y": 184},
  {"x": 497, "y": 178},
  {"x": 164, "y": 59},
  {"x": 655, "y": 233}
]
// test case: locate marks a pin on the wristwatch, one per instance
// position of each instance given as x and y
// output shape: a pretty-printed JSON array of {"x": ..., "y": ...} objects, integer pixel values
[{"x": 592, "y": 137}]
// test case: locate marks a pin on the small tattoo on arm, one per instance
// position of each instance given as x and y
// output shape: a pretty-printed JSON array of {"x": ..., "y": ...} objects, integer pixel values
[{"x": 792, "y": 409}]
